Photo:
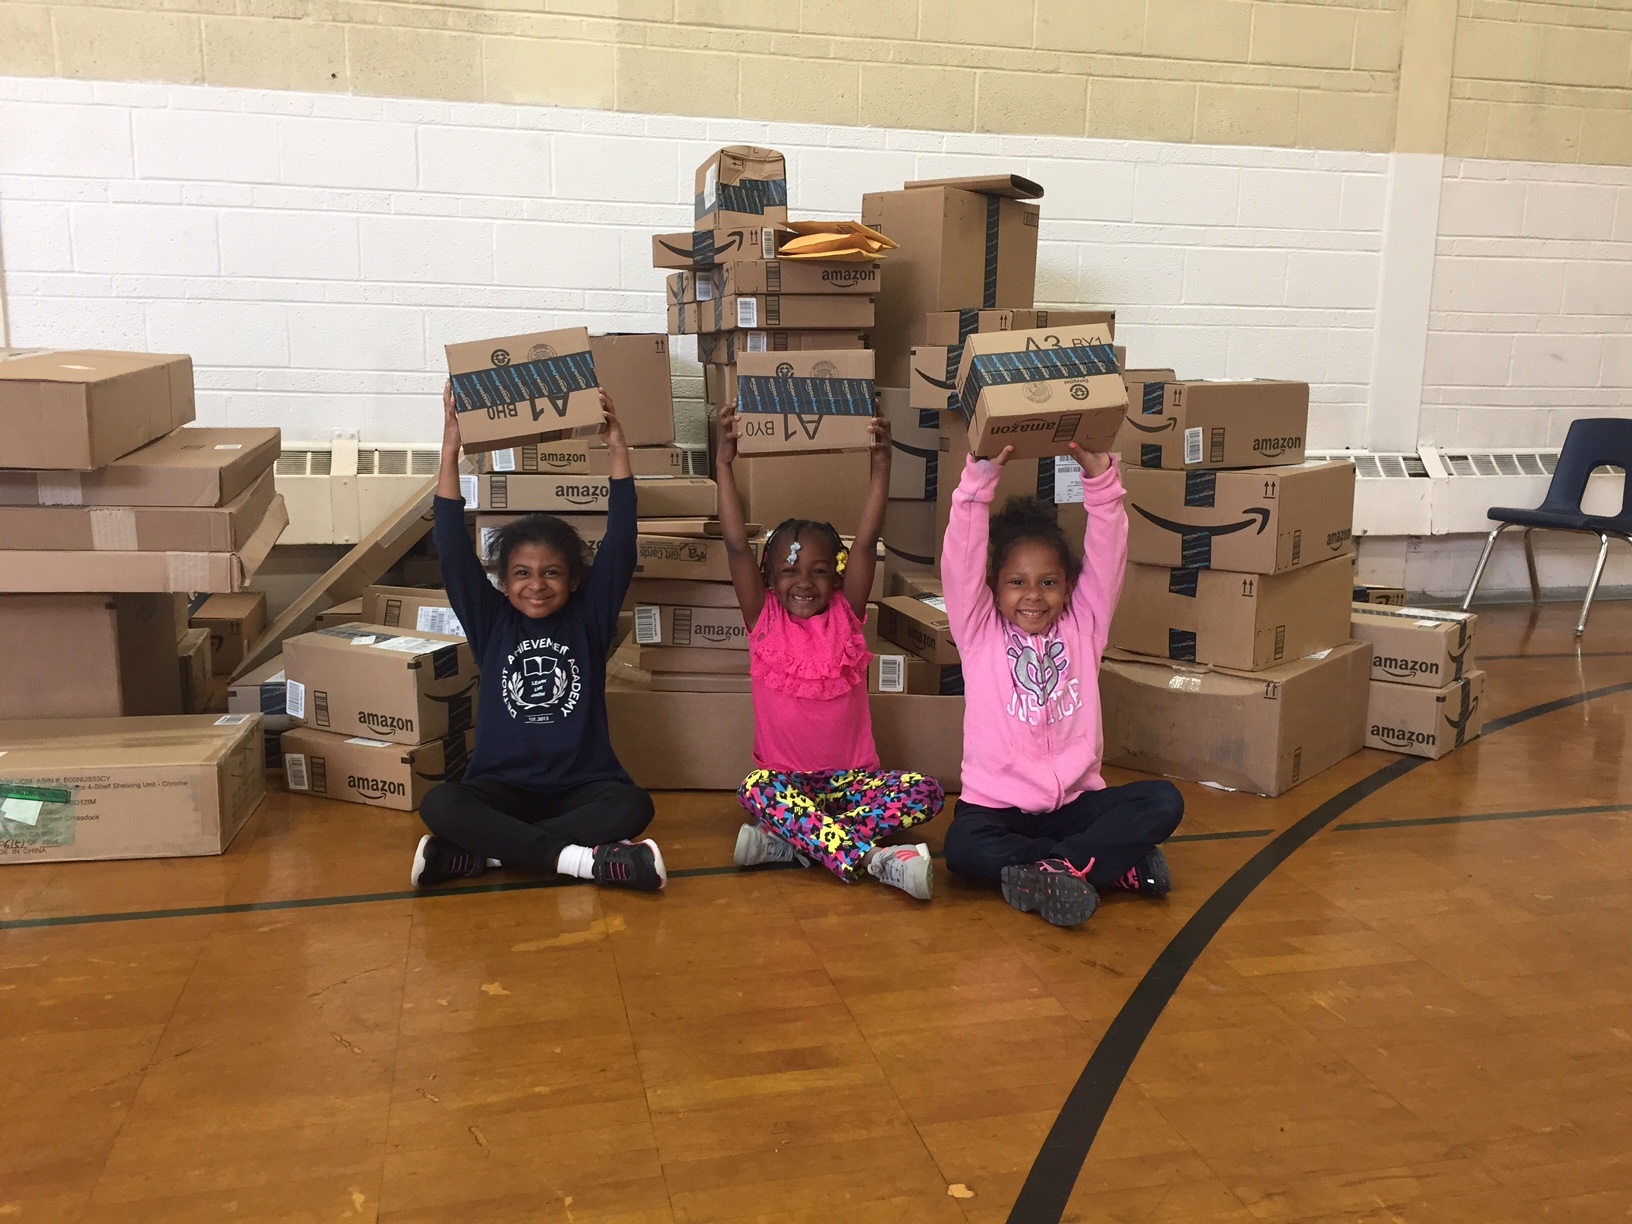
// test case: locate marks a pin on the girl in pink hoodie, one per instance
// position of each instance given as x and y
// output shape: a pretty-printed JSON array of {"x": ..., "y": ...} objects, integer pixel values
[{"x": 1031, "y": 625}]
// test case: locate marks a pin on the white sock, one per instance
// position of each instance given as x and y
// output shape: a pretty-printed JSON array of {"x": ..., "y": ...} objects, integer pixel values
[
  {"x": 493, "y": 862},
  {"x": 577, "y": 861}
]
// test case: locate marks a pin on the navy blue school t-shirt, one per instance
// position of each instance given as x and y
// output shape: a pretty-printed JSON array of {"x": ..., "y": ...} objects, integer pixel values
[{"x": 541, "y": 718}]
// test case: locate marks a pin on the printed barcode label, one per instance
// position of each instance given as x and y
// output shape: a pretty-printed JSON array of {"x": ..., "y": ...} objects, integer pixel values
[
  {"x": 1192, "y": 445},
  {"x": 1280, "y": 640},
  {"x": 747, "y": 312},
  {"x": 320, "y": 707},
  {"x": 1067, "y": 481},
  {"x": 756, "y": 342},
  {"x": 294, "y": 699},
  {"x": 438, "y": 620},
  {"x": 294, "y": 771},
  {"x": 363, "y": 741},
  {"x": 935, "y": 601},
  {"x": 320, "y": 775},
  {"x": 648, "y": 625},
  {"x": 504, "y": 460},
  {"x": 231, "y": 720},
  {"x": 705, "y": 289},
  {"x": 229, "y": 446},
  {"x": 711, "y": 186},
  {"x": 467, "y": 490},
  {"x": 1185, "y": 684},
  {"x": 682, "y": 626},
  {"x": 892, "y": 673}
]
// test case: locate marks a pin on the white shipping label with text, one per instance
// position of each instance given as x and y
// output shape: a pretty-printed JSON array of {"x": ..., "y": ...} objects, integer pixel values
[
  {"x": 438, "y": 620},
  {"x": 747, "y": 312},
  {"x": 294, "y": 699},
  {"x": 1192, "y": 446}
]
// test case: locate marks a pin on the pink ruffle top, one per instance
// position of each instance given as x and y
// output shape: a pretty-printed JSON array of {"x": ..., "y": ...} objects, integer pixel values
[{"x": 810, "y": 690}]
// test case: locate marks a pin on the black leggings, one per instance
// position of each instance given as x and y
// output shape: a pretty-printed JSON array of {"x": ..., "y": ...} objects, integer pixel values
[
  {"x": 1114, "y": 827},
  {"x": 529, "y": 829}
]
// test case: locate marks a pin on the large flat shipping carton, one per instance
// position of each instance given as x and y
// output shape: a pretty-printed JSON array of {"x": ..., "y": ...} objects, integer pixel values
[
  {"x": 578, "y": 458},
  {"x": 694, "y": 557},
  {"x": 120, "y": 788},
  {"x": 1040, "y": 391},
  {"x": 189, "y": 467},
  {"x": 422, "y": 609},
  {"x": 87, "y": 656},
  {"x": 956, "y": 326},
  {"x": 67, "y": 409},
  {"x": 1263, "y": 732},
  {"x": 368, "y": 680},
  {"x": 233, "y": 623},
  {"x": 748, "y": 277},
  {"x": 119, "y": 570},
  {"x": 1425, "y": 722},
  {"x": 633, "y": 369},
  {"x": 1243, "y": 621},
  {"x": 1427, "y": 647},
  {"x": 376, "y": 772},
  {"x": 958, "y": 248},
  {"x": 1214, "y": 424},
  {"x": 741, "y": 185},
  {"x": 139, "y": 528},
  {"x": 1262, "y": 521},
  {"x": 262, "y": 691},
  {"x": 518, "y": 389},
  {"x": 723, "y": 347},
  {"x": 818, "y": 400}
]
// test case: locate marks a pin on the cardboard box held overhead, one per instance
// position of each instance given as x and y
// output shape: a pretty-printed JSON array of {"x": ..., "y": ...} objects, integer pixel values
[
  {"x": 1425, "y": 722},
  {"x": 1264, "y": 732},
  {"x": 379, "y": 773},
  {"x": 633, "y": 369},
  {"x": 87, "y": 656},
  {"x": 827, "y": 488},
  {"x": 809, "y": 401},
  {"x": 1427, "y": 647},
  {"x": 119, "y": 788},
  {"x": 368, "y": 680},
  {"x": 84, "y": 409},
  {"x": 1242, "y": 621},
  {"x": 189, "y": 467},
  {"x": 1259, "y": 521},
  {"x": 1039, "y": 391},
  {"x": 741, "y": 185},
  {"x": 1214, "y": 424},
  {"x": 519, "y": 389}
]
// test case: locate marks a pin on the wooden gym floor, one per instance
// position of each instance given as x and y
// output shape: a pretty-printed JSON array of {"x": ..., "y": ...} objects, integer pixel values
[{"x": 1401, "y": 994}]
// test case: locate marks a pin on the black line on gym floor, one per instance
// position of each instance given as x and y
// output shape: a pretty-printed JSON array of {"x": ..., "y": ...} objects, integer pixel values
[
  {"x": 1477, "y": 818},
  {"x": 1053, "y": 1176}
]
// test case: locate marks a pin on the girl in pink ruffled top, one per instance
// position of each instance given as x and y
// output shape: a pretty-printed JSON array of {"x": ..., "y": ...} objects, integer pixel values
[{"x": 817, "y": 792}]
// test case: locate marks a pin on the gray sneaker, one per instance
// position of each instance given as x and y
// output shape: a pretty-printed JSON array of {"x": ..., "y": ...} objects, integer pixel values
[
  {"x": 756, "y": 846},
  {"x": 908, "y": 868}
]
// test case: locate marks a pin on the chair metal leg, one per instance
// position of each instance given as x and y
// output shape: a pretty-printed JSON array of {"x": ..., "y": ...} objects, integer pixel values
[
  {"x": 1592, "y": 587},
  {"x": 1530, "y": 562},
  {"x": 1479, "y": 572}
]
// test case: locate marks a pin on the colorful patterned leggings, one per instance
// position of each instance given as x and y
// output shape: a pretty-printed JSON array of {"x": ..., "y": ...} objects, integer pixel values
[{"x": 836, "y": 818}]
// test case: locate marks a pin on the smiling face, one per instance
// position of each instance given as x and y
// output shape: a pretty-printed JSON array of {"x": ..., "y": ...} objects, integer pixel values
[
  {"x": 537, "y": 580},
  {"x": 1032, "y": 586},
  {"x": 804, "y": 586}
]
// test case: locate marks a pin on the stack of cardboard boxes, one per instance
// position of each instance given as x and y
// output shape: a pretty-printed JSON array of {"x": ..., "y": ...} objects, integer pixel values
[{"x": 1425, "y": 688}]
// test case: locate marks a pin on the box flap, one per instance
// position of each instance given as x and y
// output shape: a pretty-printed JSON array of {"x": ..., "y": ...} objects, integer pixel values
[{"x": 1010, "y": 186}]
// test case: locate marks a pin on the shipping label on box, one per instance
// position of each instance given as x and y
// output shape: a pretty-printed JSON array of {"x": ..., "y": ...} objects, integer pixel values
[
  {"x": 921, "y": 625},
  {"x": 756, "y": 276},
  {"x": 373, "y": 681},
  {"x": 933, "y": 382},
  {"x": 690, "y": 625},
  {"x": 809, "y": 401},
  {"x": 724, "y": 347},
  {"x": 422, "y": 609},
  {"x": 945, "y": 327},
  {"x": 362, "y": 769},
  {"x": 549, "y": 494},
  {"x": 1242, "y": 621},
  {"x": 1426, "y": 647},
  {"x": 1259, "y": 521},
  {"x": 1425, "y": 722},
  {"x": 741, "y": 185},
  {"x": 519, "y": 389},
  {"x": 1039, "y": 391},
  {"x": 791, "y": 311},
  {"x": 1215, "y": 424},
  {"x": 696, "y": 285}
]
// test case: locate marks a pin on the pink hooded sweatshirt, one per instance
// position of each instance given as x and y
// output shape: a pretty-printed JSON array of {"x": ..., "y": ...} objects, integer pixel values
[{"x": 1031, "y": 731}]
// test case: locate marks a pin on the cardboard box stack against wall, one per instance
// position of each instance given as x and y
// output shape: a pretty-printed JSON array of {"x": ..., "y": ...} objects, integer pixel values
[{"x": 117, "y": 518}]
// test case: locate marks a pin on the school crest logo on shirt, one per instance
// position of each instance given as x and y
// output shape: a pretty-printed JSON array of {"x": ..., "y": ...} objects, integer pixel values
[{"x": 541, "y": 682}]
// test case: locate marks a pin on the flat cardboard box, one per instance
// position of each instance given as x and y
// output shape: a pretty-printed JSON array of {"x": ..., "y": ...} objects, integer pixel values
[
  {"x": 82, "y": 409},
  {"x": 122, "y": 788},
  {"x": 233, "y": 623},
  {"x": 695, "y": 625},
  {"x": 193, "y": 669},
  {"x": 704, "y": 741},
  {"x": 578, "y": 458},
  {"x": 746, "y": 277},
  {"x": 378, "y": 773},
  {"x": 144, "y": 571},
  {"x": 933, "y": 380},
  {"x": 700, "y": 558},
  {"x": 262, "y": 691},
  {"x": 1425, "y": 722},
  {"x": 422, "y": 609},
  {"x": 945, "y": 260},
  {"x": 1263, "y": 521},
  {"x": 1393, "y": 597},
  {"x": 1426, "y": 647},
  {"x": 793, "y": 403},
  {"x": 945, "y": 327},
  {"x": 369, "y": 680},
  {"x": 521, "y": 494},
  {"x": 723, "y": 347},
  {"x": 681, "y": 591},
  {"x": 87, "y": 656},
  {"x": 1214, "y": 424},
  {"x": 633, "y": 369},
  {"x": 694, "y": 658},
  {"x": 1263, "y": 733},
  {"x": 1039, "y": 391},
  {"x": 741, "y": 185},
  {"x": 340, "y": 614},
  {"x": 915, "y": 446},
  {"x": 518, "y": 389},
  {"x": 188, "y": 467},
  {"x": 770, "y": 311},
  {"x": 1242, "y": 621},
  {"x": 909, "y": 531},
  {"x": 920, "y": 625}
]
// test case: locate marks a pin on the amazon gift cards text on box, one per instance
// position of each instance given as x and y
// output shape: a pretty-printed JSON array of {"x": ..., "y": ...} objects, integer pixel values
[
  {"x": 1039, "y": 391},
  {"x": 1259, "y": 521},
  {"x": 1214, "y": 424},
  {"x": 818, "y": 400},
  {"x": 519, "y": 389}
]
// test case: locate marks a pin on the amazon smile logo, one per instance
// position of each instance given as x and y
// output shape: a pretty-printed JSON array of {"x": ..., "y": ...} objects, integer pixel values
[
  {"x": 1256, "y": 515},
  {"x": 945, "y": 384},
  {"x": 1167, "y": 424}
]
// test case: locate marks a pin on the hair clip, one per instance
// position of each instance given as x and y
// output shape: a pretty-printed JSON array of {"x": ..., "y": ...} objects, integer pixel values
[
  {"x": 793, "y": 552},
  {"x": 840, "y": 561}
]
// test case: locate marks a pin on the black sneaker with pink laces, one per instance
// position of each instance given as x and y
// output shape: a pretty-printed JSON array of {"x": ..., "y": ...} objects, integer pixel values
[
  {"x": 1053, "y": 888},
  {"x": 1148, "y": 877},
  {"x": 437, "y": 861},
  {"x": 637, "y": 865}
]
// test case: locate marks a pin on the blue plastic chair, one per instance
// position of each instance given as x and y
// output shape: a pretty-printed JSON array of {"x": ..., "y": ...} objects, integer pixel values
[{"x": 1591, "y": 443}]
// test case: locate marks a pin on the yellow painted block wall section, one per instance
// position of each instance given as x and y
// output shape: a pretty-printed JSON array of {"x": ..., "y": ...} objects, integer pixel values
[{"x": 1538, "y": 80}]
